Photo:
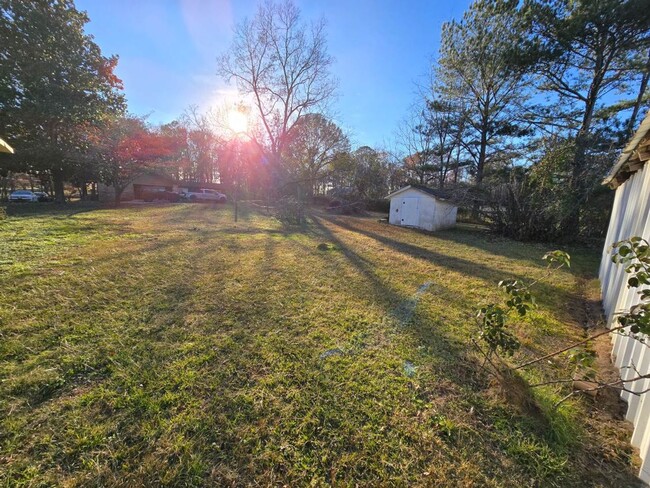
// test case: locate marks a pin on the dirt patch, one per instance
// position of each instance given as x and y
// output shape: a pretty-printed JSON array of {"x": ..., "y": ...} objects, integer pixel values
[
  {"x": 608, "y": 401},
  {"x": 607, "y": 409},
  {"x": 516, "y": 391}
]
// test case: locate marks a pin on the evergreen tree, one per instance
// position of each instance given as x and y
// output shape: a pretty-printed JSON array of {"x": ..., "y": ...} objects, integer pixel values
[{"x": 55, "y": 85}]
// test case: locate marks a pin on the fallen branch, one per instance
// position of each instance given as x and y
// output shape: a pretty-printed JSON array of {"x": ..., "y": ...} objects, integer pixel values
[
  {"x": 552, "y": 382},
  {"x": 618, "y": 385}
]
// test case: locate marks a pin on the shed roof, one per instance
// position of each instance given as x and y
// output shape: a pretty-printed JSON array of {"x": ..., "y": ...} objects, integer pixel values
[
  {"x": 434, "y": 192},
  {"x": 633, "y": 157}
]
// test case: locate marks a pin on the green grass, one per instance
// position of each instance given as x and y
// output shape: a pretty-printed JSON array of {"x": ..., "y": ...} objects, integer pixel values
[{"x": 168, "y": 345}]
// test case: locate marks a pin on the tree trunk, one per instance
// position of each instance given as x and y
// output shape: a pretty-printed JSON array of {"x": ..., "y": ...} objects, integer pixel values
[
  {"x": 58, "y": 183},
  {"x": 4, "y": 189},
  {"x": 631, "y": 126},
  {"x": 480, "y": 164},
  {"x": 118, "y": 195},
  {"x": 571, "y": 225}
]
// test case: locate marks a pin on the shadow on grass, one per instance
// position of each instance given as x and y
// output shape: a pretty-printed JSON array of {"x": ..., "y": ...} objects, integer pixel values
[
  {"x": 547, "y": 293},
  {"x": 44, "y": 209},
  {"x": 191, "y": 381},
  {"x": 550, "y": 428},
  {"x": 401, "y": 309},
  {"x": 585, "y": 261}
]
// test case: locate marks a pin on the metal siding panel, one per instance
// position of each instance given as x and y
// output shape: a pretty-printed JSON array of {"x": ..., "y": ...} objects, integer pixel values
[
  {"x": 628, "y": 371},
  {"x": 630, "y": 217},
  {"x": 642, "y": 417},
  {"x": 641, "y": 362}
]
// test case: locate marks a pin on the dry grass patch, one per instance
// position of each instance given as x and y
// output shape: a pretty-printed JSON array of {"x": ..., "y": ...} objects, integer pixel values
[{"x": 167, "y": 345}]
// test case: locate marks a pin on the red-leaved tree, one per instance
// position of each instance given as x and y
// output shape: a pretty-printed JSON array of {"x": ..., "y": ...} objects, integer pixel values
[{"x": 128, "y": 147}]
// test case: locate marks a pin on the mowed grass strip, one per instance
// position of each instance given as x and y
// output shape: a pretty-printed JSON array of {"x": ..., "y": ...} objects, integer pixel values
[{"x": 168, "y": 345}]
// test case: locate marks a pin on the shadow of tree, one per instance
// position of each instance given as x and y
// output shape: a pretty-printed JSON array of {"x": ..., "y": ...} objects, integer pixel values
[
  {"x": 27, "y": 210},
  {"x": 460, "y": 366},
  {"x": 216, "y": 354},
  {"x": 474, "y": 269}
]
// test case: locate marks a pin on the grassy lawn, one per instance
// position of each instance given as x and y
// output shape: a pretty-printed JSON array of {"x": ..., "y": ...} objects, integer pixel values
[{"x": 167, "y": 345}]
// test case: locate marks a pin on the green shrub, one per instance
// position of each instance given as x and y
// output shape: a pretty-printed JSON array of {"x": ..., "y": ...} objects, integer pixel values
[
  {"x": 378, "y": 205},
  {"x": 290, "y": 211}
]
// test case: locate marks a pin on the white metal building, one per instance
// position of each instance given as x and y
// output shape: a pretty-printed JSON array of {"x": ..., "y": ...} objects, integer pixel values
[
  {"x": 421, "y": 207},
  {"x": 630, "y": 217}
]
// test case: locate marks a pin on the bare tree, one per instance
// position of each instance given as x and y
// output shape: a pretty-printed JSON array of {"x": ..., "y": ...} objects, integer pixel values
[
  {"x": 202, "y": 143},
  {"x": 282, "y": 64},
  {"x": 416, "y": 143},
  {"x": 313, "y": 144},
  {"x": 432, "y": 139}
]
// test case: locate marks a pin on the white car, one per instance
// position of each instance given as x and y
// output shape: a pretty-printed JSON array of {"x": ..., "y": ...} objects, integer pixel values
[
  {"x": 206, "y": 195},
  {"x": 23, "y": 196}
]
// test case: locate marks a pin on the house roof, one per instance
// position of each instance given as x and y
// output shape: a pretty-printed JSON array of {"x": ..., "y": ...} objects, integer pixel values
[
  {"x": 633, "y": 157},
  {"x": 152, "y": 173},
  {"x": 434, "y": 192}
]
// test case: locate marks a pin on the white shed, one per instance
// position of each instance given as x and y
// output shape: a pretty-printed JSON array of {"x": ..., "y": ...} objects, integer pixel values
[
  {"x": 630, "y": 217},
  {"x": 421, "y": 207}
]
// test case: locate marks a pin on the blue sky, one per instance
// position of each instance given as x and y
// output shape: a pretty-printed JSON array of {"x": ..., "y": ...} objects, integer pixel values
[{"x": 168, "y": 51}]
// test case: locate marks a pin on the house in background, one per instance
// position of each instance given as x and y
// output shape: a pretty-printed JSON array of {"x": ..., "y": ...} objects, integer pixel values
[
  {"x": 133, "y": 191},
  {"x": 150, "y": 182},
  {"x": 421, "y": 207},
  {"x": 630, "y": 177}
]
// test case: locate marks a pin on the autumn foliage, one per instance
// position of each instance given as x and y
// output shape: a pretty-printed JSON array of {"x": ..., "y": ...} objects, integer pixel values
[{"x": 127, "y": 147}]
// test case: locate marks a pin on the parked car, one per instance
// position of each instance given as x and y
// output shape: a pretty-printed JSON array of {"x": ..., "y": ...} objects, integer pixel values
[
  {"x": 168, "y": 196},
  {"x": 43, "y": 197},
  {"x": 205, "y": 196},
  {"x": 23, "y": 196}
]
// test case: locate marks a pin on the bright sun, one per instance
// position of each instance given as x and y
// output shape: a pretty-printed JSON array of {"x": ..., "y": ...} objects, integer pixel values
[{"x": 237, "y": 121}]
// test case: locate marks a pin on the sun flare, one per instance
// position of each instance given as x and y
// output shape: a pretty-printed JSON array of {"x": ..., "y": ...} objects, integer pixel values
[{"x": 237, "y": 121}]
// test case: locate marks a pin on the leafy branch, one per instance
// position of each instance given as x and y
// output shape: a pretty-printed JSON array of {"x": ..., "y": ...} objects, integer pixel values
[
  {"x": 493, "y": 318},
  {"x": 634, "y": 255}
]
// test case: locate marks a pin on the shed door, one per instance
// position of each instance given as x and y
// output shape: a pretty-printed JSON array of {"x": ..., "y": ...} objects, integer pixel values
[{"x": 410, "y": 214}]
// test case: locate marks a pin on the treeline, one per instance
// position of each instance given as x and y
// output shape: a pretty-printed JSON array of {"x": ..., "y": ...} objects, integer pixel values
[
  {"x": 533, "y": 101},
  {"x": 62, "y": 108},
  {"x": 527, "y": 107}
]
